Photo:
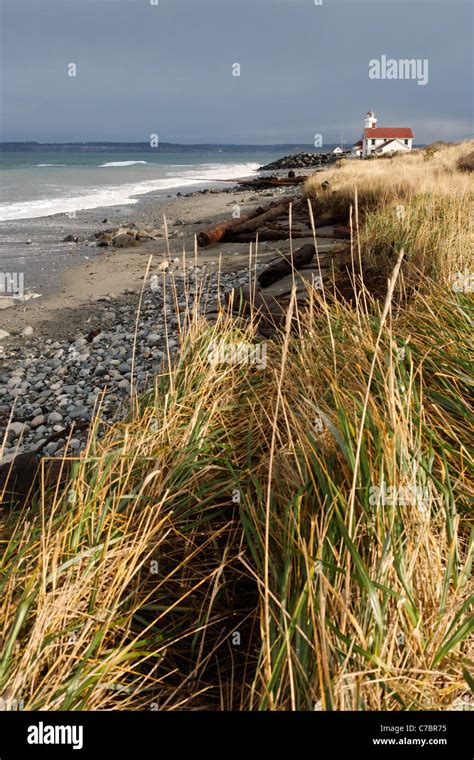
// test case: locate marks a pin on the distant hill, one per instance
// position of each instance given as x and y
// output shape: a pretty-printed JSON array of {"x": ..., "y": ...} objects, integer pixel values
[{"x": 130, "y": 147}]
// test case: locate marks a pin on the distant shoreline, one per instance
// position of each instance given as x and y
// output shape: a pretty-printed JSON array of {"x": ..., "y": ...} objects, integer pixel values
[{"x": 163, "y": 147}]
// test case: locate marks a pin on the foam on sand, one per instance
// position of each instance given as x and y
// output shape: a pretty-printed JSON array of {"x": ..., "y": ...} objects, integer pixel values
[{"x": 125, "y": 194}]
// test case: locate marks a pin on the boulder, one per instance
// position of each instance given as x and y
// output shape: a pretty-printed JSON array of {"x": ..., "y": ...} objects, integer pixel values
[
  {"x": 105, "y": 238},
  {"x": 124, "y": 240}
]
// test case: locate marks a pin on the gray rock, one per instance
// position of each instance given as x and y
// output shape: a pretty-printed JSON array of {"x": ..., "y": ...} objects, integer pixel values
[
  {"x": 153, "y": 339},
  {"x": 51, "y": 447},
  {"x": 76, "y": 412},
  {"x": 54, "y": 417},
  {"x": 18, "y": 429},
  {"x": 40, "y": 419}
]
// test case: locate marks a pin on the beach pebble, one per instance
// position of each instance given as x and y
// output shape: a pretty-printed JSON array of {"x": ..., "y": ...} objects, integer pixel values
[
  {"x": 40, "y": 419},
  {"x": 51, "y": 447},
  {"x": 153, "y": 339},
  {"x": 54, "y": 417},
  {"x": 27, "y": 331},
  {"x": 18, "y": 429},
  {"x": 75, "y": 412},
  {"x": 55, "y": 383}
]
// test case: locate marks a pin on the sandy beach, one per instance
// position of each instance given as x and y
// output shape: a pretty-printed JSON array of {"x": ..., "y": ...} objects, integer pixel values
[
  {"x": 87, "y": 273},
  {"x": 81, "y": 341}
]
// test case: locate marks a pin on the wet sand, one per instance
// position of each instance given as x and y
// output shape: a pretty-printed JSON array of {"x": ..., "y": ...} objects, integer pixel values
[{"x": 74, "y": 288}]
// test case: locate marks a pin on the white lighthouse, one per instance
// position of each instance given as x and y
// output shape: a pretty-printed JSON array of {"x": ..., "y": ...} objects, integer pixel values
[
  {"x": 370, "y": 120},
  {"x": 377, "y": 141}
]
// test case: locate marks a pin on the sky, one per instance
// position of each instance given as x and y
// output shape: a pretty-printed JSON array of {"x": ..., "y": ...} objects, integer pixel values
[{"x": 166, "y": 67}]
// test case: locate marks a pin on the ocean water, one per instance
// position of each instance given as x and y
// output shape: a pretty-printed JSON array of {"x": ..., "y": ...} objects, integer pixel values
[
  {"x": 46, "y": 195},
  {"x": 36, "y": 184}
]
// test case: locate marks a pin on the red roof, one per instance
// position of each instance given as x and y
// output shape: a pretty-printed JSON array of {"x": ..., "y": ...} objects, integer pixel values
[{"x": 388, "y": 132}]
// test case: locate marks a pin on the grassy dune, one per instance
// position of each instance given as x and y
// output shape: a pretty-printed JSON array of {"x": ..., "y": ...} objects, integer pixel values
[
  {"x": 421, "y": 201},
  {"x": 293, "y": 536}
]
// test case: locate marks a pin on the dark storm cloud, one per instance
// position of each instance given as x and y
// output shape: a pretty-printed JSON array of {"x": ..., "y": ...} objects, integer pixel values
[{"x": 167, "y": 69}]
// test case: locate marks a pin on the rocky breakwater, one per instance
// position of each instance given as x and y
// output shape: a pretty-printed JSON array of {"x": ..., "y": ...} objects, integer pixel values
[{"x": 300, "y": 161}]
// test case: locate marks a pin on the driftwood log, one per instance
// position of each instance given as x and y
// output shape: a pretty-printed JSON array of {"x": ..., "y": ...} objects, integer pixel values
[
  {"x": 20, "y": 479},
  {"x": 250, "y": 225},
  {"x": 266, "y": 233},
  {"x": 285, "y": 265},
  {"x": 223, "y": 229},
  {"x": 248, "y": 299},
  {"x": 247, "y": 231},
  {"x": 262, "y": 222}
]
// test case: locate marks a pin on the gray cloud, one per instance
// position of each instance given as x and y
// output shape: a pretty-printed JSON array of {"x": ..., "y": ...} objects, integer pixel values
[{"x": 168, "y": 69}]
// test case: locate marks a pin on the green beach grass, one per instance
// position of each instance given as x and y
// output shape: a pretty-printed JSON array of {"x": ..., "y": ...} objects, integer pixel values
[{"x": 293, "y": 536}]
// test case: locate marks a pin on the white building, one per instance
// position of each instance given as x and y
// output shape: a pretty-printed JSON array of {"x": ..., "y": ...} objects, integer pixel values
[{"x": 379, "y": 140}]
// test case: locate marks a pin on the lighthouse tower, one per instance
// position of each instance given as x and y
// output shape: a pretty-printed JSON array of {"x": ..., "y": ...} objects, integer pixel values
[{"x": 370, "y": 120}]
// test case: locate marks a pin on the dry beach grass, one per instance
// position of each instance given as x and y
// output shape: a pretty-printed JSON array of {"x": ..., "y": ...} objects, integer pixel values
[{"x": 226, "y": 546}]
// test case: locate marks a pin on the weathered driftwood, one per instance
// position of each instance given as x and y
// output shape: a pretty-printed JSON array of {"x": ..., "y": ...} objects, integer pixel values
[
  {"x": 265, "y": 234},
  {"x": 285, "y": 265},
  {"x": 221, "y": 230},
  {"x": 339, "y": 233},
  {"x": 279, "y": 210},
  {"x": 249, "y": 299},
  {"x": 20, "y": 479},
  {"x": 261, "y": 220},
  {"x": 301, "y": 279},
  {"x": 342, "y": 232},
  {"x": 216, "y": 233}
]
